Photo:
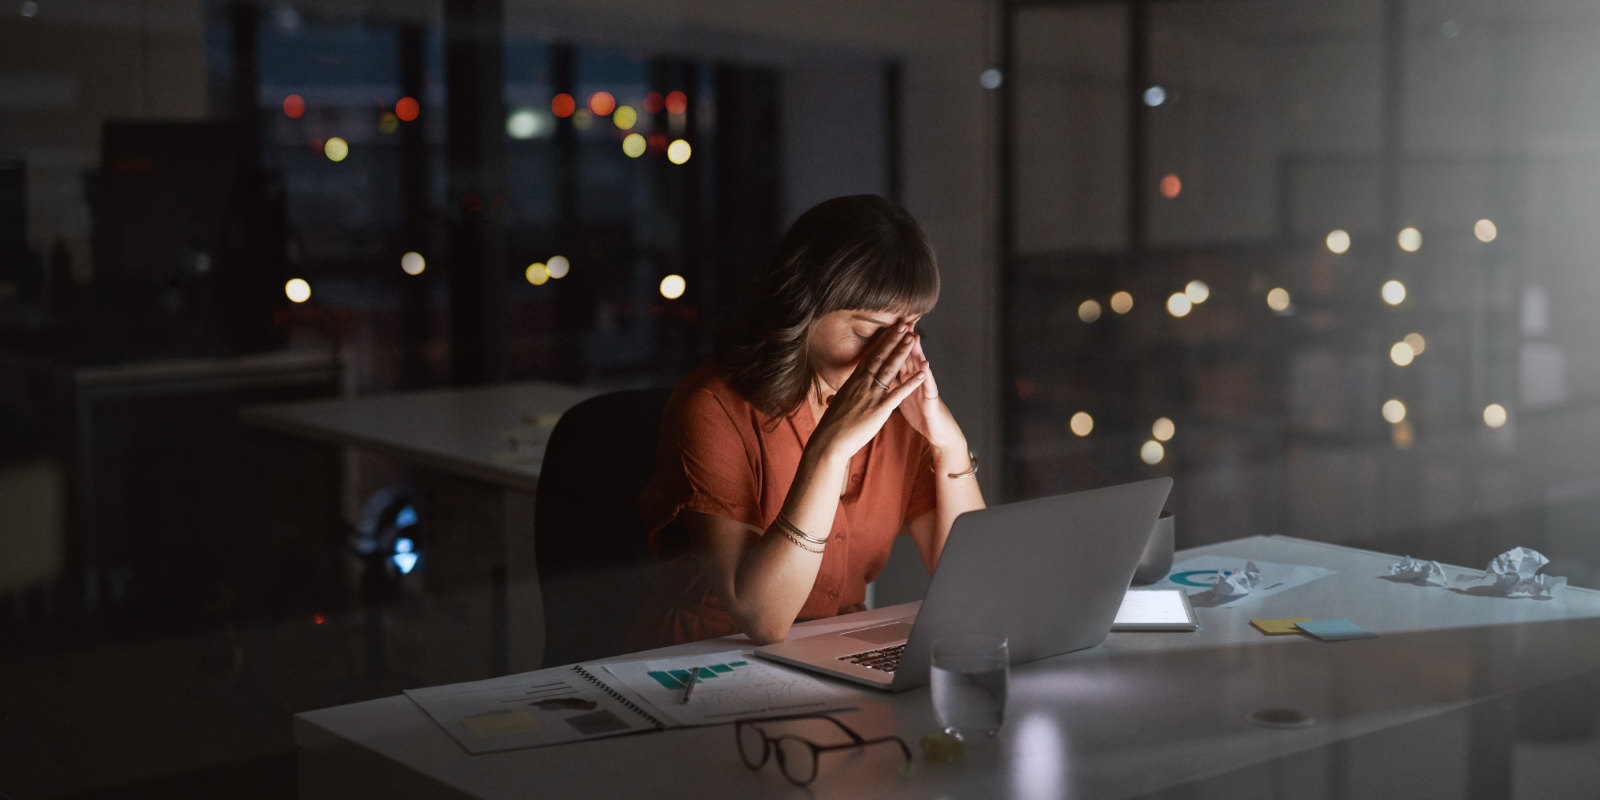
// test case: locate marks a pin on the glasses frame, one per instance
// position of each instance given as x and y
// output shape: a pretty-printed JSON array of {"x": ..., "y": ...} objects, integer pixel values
[{"x": 769, "y": 744}]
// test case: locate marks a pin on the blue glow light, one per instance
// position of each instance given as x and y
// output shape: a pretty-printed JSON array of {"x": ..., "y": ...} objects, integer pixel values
[
  {"x": 405, "y": 518},
  {"x": 405, "y": 561},
  {"x": 404, "y": 545}
]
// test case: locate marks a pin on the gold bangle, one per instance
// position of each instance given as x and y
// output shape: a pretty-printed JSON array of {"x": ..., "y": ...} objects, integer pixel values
[
  {"x": 790, "y": 526},
  {"x": 973, "y": 457},
  {"x": 797, "y": 543}
]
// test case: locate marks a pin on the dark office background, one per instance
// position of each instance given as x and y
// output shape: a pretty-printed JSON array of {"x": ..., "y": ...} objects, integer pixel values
[{"x": 1329, "y": 264}]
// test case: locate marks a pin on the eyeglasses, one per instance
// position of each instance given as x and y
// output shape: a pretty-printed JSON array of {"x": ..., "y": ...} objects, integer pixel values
[{"x": 797, "y": 756}]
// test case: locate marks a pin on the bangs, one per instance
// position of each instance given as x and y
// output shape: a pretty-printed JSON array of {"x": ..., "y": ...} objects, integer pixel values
[{"x": 904, "y": 280}]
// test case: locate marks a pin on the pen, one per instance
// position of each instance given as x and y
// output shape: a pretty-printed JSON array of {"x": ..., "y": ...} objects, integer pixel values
[{"x": 694, "y": 678}]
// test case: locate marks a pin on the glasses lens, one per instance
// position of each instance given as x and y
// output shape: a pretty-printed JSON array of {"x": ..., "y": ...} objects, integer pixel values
[
  {"x": 752, "y": 746},
  {"x": 798, "y": 760}
]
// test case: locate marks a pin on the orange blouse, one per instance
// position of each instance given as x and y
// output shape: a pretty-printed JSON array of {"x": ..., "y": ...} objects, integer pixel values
[{"x": 721, "y": 456}]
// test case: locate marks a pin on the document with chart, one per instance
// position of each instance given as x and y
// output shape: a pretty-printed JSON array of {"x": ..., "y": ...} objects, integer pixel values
[{"x": 728, "y": 686}]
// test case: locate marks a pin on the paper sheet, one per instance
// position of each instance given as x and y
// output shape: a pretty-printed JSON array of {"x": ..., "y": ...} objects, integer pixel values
[
  {"x": 527, "y": 710},
  {"x": 733, "y": 685},
  {"x": 1199, "y": 577}
]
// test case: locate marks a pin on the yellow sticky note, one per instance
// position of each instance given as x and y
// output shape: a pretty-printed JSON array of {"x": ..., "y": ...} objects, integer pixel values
[
  {"x": 500, "y": 723},
  {"x": 1278, "y": 627}
]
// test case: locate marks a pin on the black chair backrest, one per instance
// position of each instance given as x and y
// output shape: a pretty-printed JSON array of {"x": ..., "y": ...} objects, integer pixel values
[{"x": 594, "y": 563}]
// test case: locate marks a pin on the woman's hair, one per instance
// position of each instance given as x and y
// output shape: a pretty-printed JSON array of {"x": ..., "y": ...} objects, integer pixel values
[{"x": 861, "y": 252}]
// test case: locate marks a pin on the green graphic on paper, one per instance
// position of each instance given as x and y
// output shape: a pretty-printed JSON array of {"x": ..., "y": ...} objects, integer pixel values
[{"x": 678, "y": 678}]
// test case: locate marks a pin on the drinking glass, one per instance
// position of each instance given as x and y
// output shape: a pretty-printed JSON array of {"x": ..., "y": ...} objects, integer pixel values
[{"x": 970, "y": 672}]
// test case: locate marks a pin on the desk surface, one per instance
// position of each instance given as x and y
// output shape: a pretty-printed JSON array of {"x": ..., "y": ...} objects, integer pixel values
[
  {"x": 1142, "y": 713},
  {"x": 494, "y": 434}
]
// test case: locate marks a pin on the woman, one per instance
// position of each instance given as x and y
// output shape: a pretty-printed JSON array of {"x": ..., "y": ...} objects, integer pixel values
[{"x": 788, "y": 464}]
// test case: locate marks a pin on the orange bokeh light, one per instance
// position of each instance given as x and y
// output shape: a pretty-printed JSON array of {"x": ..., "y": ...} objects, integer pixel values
[
  {"x": 407, "y": 109},
  {"x": 602, "y": 103},
  {"x": 654, "y": 102},
  {"x": 677, "y": 103},
  {"x": 1171, "y": 186},
  {"x": 562, "y": 105},
  {"x": 294, "y": 106}
]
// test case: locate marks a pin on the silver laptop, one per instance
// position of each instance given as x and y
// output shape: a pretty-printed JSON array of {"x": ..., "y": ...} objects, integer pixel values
[{"x": 1050, "y": 574}]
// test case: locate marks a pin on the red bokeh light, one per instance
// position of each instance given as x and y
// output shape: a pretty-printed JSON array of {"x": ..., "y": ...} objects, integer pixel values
[
  {"x": 602, "y": 103},
  {"x": 677, "y": 103},
  {"x": 1171, "y": 186},
  {"x": 294, "y": 106},
  {"x": 562, "y": 105},
  {"x": 407, "y": 108},
  {"x": 654, "y": 102}
]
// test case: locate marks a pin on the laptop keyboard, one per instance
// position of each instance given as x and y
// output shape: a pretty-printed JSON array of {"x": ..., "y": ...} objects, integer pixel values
[{"x": 886, "y": 659}]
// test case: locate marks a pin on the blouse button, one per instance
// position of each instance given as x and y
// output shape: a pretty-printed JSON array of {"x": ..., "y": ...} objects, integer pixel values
[
  {"x": 840, "y": 536},
  {"x": 833, "y": 594},
  {"x": 856, "y": 478}
]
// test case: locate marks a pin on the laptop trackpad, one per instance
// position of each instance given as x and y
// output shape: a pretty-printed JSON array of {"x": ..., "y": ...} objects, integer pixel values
[{"x": 882, "y": 634}]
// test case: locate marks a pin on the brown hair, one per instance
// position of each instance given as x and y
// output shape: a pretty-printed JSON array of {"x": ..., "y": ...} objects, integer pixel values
[{"x": 861, "y": 252}]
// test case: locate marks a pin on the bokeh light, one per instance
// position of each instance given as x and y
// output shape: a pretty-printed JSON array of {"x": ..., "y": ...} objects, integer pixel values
[
  {"x": 677, "y": 102},
  {"x": 582, "y": 119},
  {"x": 413, "y": 263},
  {"x": 625, "y": 117},
  {"x": 297, "y": 290},
  {"x": 1394, "y": 411},
  {"x": 407, "y": 109},
  {"x": 562, "y": 105},
  {"x": 537, "y": 274},
  {"x": 1410, "y": 240},
  {"x": 991, "y": 78},
  {"x": 633, "y": 145},
  {"x": 1151, "y": 452},
  {"x": 673, "y": 286},
  {"x": 1121, "y": 302},
  {"x": 526, "y": 123},
  {"x": 1278, "y": 299},
  {"x": 388, "y": 123},
  {"x": 294, "y": 106},
  {"x": 1163, "y": 429},
  {"x": 1394, "y": 293},
  {"x": 1197, "y": 292},
  {"x": 1081, "y": 423},
  {"x": 1417, "y": 343},
  {"x": 1179, "y": 304},
  {"x": 1402, "y": 354},
  {"x": 654, "y": 102},
  {"x": 602, "y": 103},
  {"x": 1155, "y": 96},
  {"x": 1494, "y": 415},
  {"x": 1485, "y": 230},
  {"x": 678, "y": 152},
  {"x": 336, "y": 149},
  {"x": 1089, "y": 310},
  {"x": 558, "y": 266},
  {"x": 1171, "y": 186},
  {"x": 1338, "y": 241}
]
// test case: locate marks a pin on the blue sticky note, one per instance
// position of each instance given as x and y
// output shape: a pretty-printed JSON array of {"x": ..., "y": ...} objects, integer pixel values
[{"x": 1335, "y": 630}]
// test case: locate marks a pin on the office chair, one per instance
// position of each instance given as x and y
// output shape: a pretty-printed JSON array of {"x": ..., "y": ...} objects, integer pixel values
[{"x": 594, "y": 564}]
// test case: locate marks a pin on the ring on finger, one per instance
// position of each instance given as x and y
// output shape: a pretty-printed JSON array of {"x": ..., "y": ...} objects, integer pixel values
[{"x": 881, "y": 384}]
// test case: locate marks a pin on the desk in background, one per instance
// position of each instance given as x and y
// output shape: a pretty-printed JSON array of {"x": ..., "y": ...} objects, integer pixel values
[
  {"x": 1436, "y": 706},
  {"x": 478, "y": 452}
]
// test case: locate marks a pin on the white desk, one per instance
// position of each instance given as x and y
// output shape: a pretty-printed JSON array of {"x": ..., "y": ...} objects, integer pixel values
[
  {"x": 1143, "y": 713},
  {"x": 479, "y": 451}
]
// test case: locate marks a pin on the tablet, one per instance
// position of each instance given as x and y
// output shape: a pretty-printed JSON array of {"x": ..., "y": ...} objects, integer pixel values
[{"x": 1155, "y": 610}]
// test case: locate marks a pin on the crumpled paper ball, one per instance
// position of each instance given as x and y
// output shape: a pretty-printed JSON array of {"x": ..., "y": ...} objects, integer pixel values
[
  {"x": 1516, "y": 574},
  {"x": 1237, "y": 584},
  {"x": 1417, "y": 571}
]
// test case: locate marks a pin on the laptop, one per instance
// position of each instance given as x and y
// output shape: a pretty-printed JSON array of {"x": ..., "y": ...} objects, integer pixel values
[{"x": 1049, "y": 573}]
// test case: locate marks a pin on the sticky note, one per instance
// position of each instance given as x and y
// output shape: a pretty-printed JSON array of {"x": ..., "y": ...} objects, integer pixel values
[
  {"x": 1334, "y": 630},
  {"x": 1278, "y": 627}
]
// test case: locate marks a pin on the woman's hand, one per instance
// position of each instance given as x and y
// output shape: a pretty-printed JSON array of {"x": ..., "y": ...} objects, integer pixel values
[
  {"x": 926, "y": 412},
  {"x": 880, "y": 382}
]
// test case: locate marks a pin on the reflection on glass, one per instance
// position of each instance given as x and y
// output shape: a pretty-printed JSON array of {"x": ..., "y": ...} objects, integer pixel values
[
  {"x": 297, "y": 290},
  {"x": 413, "y": 263},
  {"x": 1152, "y": 452},
  {"x": 1089, "y": 310},
  {"x": 1401, "y": 354},
  {"x": 1179, "y": 304},
  {"x": 1494, "y": 415},
  {"x": 1394, "y": 411},
  {"x": 1163, "y": 429},
  {"x": 672, "y": 286},
  {"x": 1338, "y": 241},
  {"x": 1410, "y": 239},
  {"x": 1394, "y": 293},
  {"x": 1278, "y": 299},
  {"x": 1081, "y": 423},
  {"x": 1122, "y": 302},
  {"x": 1485, "y": 230}
]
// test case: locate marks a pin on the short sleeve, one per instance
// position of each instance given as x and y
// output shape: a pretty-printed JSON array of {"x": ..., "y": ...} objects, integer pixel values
[
  {"x": 705, "y": 462},
  {"x": 923, "y": 496}
]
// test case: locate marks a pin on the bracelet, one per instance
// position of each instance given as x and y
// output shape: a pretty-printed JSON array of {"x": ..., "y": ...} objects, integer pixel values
[
  {"x": 970, "y": 472},
  {"x": 790, "y": 527},
  {"x": 798, "y": 543}
]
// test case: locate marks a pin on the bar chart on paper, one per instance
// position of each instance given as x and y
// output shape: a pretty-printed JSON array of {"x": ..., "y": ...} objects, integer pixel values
[{"x": 730, "y": 687}]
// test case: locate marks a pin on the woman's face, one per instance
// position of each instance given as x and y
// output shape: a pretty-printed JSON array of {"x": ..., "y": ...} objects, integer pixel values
[{"x": 839, "y": 338}]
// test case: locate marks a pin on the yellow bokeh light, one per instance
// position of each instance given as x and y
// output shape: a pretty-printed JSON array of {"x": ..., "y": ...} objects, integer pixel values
[
  {"x": 1081, "y": 423},
  {"x": 1494, "y": 415},
  {"x": 678, "y": 152},
  {"x": 1418, "y": 344},
  {"x": 413, "y": 263},
  {"x": 537, "y": 274},
  {"x": 634, "y": 145},
  {"x": 1338, "y": 241},
  {"x": 1122, "y": 302},
  {"x": 672, "y": 286},
  {"x": 558, "y": 266},
  {"x": 1394, "y": 411},
  {"x": 1410, "y": 240},
  {"x": 1401, "y": 354},
  {"x": 1163, "y": 429},
  {"x": 624, "y": 117},
  {"x": 1394, "y": 293},
  {"x": 1179, "y": 304},
  {"x": 336, "y": 149},
  {"x": 1278, "y": 299},
  {"x": 1089, "y": 310},
  {"x": 1197, "y": 292},
  {"x": 1151, "y": 452},
  {"x": 1485, "y": 230},
  {"x": 297, "y": 290},
  {"x": 388, "y": 122}
]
